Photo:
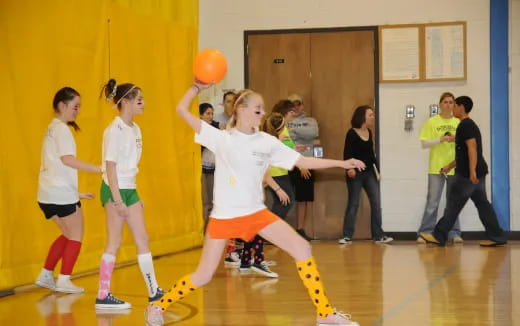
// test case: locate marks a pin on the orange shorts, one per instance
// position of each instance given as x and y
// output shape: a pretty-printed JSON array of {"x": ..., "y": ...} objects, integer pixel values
[{"x": 243, "y": 227}]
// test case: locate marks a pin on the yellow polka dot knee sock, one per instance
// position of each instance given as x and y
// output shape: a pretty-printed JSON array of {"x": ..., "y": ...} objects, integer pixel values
[
  {"x": 308, "y": 271},
  {"x": 179, "y": 290}
]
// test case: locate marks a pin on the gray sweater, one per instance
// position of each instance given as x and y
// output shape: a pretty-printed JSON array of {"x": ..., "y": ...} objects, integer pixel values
[{"x": 304, "y": 130}]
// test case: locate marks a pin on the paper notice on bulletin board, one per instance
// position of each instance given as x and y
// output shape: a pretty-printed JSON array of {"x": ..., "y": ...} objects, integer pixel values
[
  {"x": 445, "y": 56},
  {"x": 400, "y": 53}
]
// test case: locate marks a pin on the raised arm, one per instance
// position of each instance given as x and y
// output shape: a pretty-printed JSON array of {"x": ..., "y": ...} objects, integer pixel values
[{"x": 185, "y": 102}]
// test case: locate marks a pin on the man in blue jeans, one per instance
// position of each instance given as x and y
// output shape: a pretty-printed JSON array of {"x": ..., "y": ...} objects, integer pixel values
[{"x": 469, "y": 181}]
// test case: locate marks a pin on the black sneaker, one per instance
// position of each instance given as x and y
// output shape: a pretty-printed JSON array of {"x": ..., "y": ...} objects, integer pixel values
[
  {"x": 302, "y": 233},
  {"x": 245, "y": 268},
  {"x": 111, "y": 302},
  {"x": 263, "y": 269},
  {"x": 158, "y": 294}
]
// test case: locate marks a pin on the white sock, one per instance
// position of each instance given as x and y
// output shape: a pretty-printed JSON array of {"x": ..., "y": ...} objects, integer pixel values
[
  {"x": 63, "y": 277},
  {"x": 146, "y": 265},
  {"x": 45, "y": 273}
]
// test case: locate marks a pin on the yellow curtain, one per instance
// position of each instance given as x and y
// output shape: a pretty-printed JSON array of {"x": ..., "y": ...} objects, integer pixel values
[{"x": 46, "y": 45}]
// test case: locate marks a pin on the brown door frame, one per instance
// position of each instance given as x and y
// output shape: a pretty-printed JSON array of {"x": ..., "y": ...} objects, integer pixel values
[{"x": 326, "y": 30}]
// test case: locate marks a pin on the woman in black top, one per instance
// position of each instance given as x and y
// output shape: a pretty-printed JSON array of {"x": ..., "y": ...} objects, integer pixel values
[
  {"x": 359, "y": 145},
  {"x": 208, "y": 165}
]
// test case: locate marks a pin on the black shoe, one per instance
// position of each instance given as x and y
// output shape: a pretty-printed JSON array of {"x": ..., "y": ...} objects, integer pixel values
[
  {"x": 245, "y": 268},
  {"x": 158, "y": 294},
  {"x": 263, "y": 269},
  {"x": 111, "y": 302},
  {"x": 302, "y": 233}
]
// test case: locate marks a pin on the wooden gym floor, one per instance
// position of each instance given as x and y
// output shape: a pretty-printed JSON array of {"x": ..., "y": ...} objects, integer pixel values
[{"x": 402, "y": 284}]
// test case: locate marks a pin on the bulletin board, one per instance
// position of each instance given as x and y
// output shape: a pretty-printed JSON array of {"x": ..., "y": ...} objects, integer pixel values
[{"x": 422, "y": 52}]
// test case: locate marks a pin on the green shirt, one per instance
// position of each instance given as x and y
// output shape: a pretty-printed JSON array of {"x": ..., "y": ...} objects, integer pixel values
[
  {"x": 275, "y": 171},
  {"x": 443, "y": 153}
]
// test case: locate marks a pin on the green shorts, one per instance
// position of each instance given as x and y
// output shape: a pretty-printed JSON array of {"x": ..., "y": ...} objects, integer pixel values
[{"x": 129, "y": 196}]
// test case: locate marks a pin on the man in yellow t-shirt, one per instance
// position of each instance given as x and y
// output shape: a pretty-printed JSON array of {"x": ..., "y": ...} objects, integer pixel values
[{"x": 438, "y": 134}]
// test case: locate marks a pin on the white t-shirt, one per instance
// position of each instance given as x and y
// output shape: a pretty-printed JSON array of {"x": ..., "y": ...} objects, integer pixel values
[
  {"x": 123, "y": 145},
  {"x": 241, "y": 161},
  {"x": 57, "y": 183}
]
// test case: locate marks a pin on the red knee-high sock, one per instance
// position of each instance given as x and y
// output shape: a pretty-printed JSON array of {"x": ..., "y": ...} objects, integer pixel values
[
  {"x": 68, "y": 319},
  {"x": 230, "y": 247},
  {"x": 70, "y": 255},
  {"x": 55, "y": 252}
]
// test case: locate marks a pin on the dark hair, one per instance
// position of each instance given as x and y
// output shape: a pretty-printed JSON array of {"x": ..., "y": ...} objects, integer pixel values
[
  {"x": 203, "y": 107},
  {"x": 117, "y": 92},
  {"x": 65, "y": 95},
  {"x": 466, "y": 102},
  {"x": 283, "y": 107},
  {"x": 359, "y": 116},
  {"x": 226, "y": 94},
  {"x": 273, "y": 124}
]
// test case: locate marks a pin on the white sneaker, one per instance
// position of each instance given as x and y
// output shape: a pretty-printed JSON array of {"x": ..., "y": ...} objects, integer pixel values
[
  {"x": 345, "y": 240},
  {"x": 46, "y": 280},
  {"x": 64, "y": 285},
  {"x": 384, "y": 239},
  {"x": 263, "y": 269},
  {"x": 153, "y": 316},
  {"x": 337, "y": 319},
  {"x": 420, "y": 240}
]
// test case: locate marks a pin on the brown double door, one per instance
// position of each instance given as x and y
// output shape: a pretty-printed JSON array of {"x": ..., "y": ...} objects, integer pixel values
[{"x": 334, "y": 72}]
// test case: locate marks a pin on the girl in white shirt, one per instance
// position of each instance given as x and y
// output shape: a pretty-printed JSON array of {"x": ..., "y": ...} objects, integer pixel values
[
  {"x": 122, "y": 146},
  {"x": 243, "y": 155},
  {"x": 58, "y": 195}
]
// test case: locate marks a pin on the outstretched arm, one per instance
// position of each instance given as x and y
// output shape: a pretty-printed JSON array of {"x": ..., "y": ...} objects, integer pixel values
[{"x": 319, "y": 163}]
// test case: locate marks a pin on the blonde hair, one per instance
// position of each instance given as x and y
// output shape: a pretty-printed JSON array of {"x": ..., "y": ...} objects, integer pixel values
[
  {"x": 241, "y": 99},
  {"x": 446, "y": 94},
  {"x": 274, "y": 124}
]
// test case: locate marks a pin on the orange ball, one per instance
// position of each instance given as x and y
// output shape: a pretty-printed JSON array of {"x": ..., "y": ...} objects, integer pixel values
[{"x": 210, "y": 66}]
